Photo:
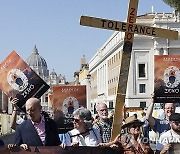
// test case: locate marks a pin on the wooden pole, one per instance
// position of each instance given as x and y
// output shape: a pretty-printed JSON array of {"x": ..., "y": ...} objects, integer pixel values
[{"x": 124, "y": 71}]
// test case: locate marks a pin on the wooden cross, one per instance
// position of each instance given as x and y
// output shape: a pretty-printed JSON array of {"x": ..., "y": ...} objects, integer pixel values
[{"x": 130, "y": 28}]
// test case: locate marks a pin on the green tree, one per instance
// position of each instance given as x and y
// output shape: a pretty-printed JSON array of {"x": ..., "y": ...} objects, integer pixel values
[{"x": 173, "y": 3}]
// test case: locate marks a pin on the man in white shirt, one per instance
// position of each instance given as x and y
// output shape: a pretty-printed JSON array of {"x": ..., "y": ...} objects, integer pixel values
[{"x": 172, "y": 136}]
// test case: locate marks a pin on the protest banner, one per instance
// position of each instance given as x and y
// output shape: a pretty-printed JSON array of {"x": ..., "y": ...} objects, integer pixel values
[
  {"x": 66, "y": 99},
  {"x": 18, "y": 80},
  {"x": 58, "y": 150},
  {"x": 167, "y": 78}
]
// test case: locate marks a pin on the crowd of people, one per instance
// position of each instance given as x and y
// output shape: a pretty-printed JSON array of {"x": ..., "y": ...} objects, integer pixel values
[{"x": 89, "y": 131}]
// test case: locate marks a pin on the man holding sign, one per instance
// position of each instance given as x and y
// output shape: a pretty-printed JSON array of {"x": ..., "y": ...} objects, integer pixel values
[{"x": 38, "y": 130}]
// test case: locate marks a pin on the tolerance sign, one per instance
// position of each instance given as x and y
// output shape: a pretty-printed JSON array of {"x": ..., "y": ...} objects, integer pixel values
[{"x": 129, "y": 28}]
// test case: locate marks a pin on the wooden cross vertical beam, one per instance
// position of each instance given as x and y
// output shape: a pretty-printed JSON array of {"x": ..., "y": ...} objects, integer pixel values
[{"x": 124, "y": 71}]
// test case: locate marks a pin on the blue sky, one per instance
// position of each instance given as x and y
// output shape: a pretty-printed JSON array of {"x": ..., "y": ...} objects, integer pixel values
[{"x": 53, "y": 26}]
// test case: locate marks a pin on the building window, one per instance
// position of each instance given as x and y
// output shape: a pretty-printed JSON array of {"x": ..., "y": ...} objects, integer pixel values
[
  {"x": 46, "y": 98},
  {"x": 142, "y": 88},
  {"x": 142, "y": 72},
  {"x": 143, "y": 105},
  {"x": 111, "y": 105}
]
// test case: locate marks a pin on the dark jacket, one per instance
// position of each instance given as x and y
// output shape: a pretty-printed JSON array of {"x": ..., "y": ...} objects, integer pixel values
[{"x": 26, "y": 134}]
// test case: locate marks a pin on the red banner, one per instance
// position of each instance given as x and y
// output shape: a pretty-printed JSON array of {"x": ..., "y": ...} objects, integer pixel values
[
  {"x": 18, "y": 80},
  {"x": 66, "y": 99},
  {"x": 167, "y": 78}
]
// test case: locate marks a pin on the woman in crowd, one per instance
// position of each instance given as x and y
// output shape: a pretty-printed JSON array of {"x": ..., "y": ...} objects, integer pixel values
[
  {"x": 132, "y": 142},
  {"x": 83, "y": 134}
]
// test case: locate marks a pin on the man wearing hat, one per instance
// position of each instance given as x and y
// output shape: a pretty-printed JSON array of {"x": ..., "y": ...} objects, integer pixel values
[
  {"x": 129, "y": 121},
  {"x": 172, "y": 136},
  {"x": 131, "y": 142}
]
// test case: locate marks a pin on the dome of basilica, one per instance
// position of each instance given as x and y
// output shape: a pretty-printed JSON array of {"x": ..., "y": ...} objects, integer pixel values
[
  {"x": 35, "y": 60},
  {"x": 38, "y": 63}
]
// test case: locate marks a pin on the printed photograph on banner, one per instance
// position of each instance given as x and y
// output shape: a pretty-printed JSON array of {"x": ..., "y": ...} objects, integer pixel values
[
  {"x": 66, "y": 99},
  {"x": 18, "y": 80},
  {"x": 166, "y": 78}
]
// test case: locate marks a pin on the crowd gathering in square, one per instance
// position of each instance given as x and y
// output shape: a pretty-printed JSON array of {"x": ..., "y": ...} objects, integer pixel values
[{"x": 96, "y": 132}]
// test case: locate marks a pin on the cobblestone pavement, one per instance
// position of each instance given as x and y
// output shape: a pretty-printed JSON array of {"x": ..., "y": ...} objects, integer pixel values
[{"x": 7, "y": 138}]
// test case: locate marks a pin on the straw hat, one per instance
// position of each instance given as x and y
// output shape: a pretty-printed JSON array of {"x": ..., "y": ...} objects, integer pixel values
[{"x": 131, "y": 120}]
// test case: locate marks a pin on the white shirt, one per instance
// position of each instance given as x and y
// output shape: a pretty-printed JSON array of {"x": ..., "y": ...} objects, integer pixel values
[
  {"x": 20, "y": 121},
  {"x": 168, "y": 137},
  {"x": 92, "y": 139}
]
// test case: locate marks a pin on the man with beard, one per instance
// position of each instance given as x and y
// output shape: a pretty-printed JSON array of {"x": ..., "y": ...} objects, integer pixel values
[
  {"x": 103, "y": 124},
  {"x": 167, "y": 139},
  {"x": 160, "y": 125}
]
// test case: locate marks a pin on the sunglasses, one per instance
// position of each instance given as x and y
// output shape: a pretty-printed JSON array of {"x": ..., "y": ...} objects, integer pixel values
[
  {"x": 176, "y": 123},
  {"x": 76, "y": 120}
]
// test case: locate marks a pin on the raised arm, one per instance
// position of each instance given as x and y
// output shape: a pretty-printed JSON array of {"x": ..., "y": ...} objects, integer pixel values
[
  {"x": 13, "y": 117},
  {"x": 149, "y": 114}
]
